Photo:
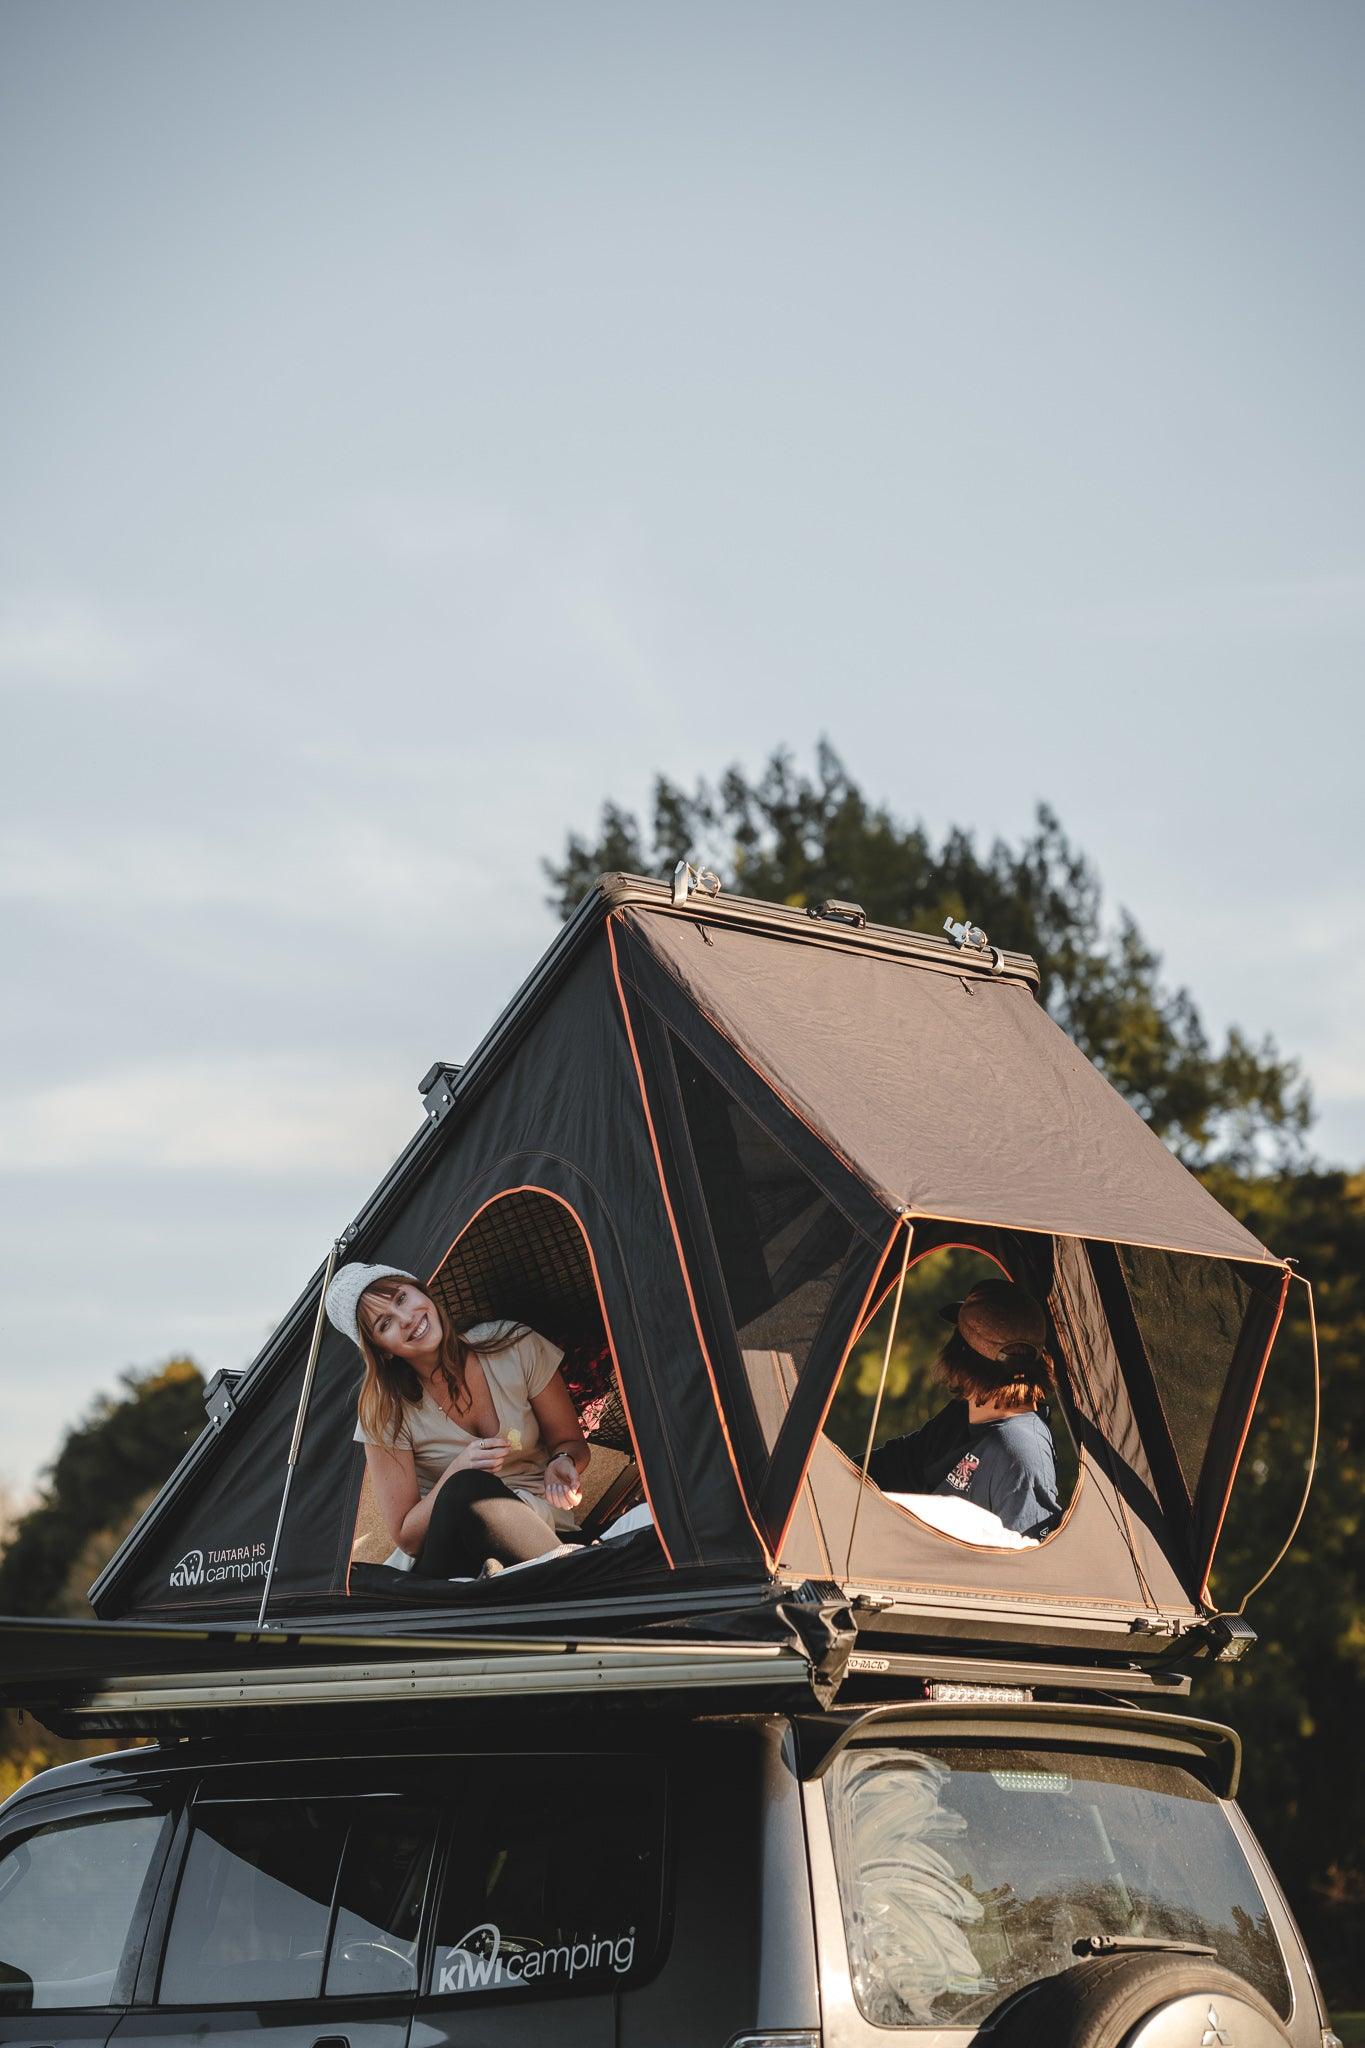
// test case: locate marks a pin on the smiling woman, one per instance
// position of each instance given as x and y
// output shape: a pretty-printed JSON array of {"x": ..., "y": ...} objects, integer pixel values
[{"x": 472, "y": 1444}]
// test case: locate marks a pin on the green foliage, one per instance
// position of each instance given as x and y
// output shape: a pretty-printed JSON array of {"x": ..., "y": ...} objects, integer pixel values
[
  {"x": 794, "y": 838},
  {"x": 1299, "y": 1699},
  {"x": 108, "y": 1469},
  {"x": 122, "y": 1448}
]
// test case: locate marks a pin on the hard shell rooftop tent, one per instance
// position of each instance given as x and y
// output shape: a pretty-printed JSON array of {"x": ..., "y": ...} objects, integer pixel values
[{"x": 690, "y": 1151}]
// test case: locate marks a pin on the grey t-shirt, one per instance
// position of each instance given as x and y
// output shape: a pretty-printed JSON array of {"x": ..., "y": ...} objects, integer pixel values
[{"x": 1007, "y": 1466}]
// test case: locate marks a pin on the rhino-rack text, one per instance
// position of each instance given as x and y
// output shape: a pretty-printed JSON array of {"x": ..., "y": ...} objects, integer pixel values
[
  {"x": 213, "y": 1567},
  {"x": 477, "y": 1962}
]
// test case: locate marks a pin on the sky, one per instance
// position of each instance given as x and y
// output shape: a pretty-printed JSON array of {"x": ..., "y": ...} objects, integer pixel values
[{"x": 421, "y": 422}]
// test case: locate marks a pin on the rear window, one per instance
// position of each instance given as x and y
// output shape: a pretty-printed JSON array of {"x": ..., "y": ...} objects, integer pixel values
[{"x": 966, "y": 1874}]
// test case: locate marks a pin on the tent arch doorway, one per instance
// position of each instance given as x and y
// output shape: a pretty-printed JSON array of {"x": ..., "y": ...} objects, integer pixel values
[{"x": 525, "y": 1257}]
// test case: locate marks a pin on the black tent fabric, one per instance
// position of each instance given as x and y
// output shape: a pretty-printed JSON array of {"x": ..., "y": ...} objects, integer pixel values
[{"x": 689, "y": 1153}]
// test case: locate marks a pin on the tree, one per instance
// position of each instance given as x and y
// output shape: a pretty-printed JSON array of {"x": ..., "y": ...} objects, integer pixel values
[
  {"x": 122, "y": 1448},
  {"x": 794, "y": 838},
  {"x": 1299, "y": 1699},
  {"x": 107, "y": 1471}
]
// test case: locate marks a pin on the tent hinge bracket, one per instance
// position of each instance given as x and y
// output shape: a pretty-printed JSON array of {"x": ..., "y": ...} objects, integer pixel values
[
  {"x": 969, "y": 938},
  {"x": 687, "y": 880},
  {"x": 1154, "y": 1625},
  {"x": 220, "y": 1396},
  {"x": 437, "y": 1089}
]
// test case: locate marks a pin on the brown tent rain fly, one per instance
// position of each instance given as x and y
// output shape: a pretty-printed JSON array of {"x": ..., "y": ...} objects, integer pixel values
[{"x": 689, "y": 1153}]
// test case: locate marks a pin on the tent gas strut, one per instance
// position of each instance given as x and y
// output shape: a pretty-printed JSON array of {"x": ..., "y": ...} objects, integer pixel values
[{"x": 304, "y": 1391}]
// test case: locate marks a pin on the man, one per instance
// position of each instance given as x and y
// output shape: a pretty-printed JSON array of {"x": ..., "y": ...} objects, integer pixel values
[{"x": 991, "y": 1445}]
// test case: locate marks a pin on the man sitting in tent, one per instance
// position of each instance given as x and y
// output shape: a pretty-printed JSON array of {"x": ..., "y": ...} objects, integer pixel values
[{"x": 991, "y": 1445}]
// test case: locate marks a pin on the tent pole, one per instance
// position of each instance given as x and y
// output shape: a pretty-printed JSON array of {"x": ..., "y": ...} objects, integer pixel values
[
  {"x": 881, "y": 1386},
  {"x": 304, "y": 1391},
  {"x": 1283, "y": 1551}
]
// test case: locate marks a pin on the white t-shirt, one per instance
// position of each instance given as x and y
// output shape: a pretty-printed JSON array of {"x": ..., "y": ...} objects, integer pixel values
[{"x": 515, "y": 1377}]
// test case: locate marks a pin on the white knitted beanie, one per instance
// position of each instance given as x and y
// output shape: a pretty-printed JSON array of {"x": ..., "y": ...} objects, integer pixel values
[{"x": 348, "y": 1284}]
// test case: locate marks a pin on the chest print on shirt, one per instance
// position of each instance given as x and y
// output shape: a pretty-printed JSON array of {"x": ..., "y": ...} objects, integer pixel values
[{"x": 960, "y": 1478}]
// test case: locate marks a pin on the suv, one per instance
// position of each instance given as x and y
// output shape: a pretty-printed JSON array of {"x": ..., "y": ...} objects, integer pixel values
[
  {"x": 651, "y": 1874},
  {"x": 848, "y": 1771}
]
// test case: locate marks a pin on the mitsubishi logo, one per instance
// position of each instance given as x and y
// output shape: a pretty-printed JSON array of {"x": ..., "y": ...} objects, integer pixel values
[{"x": 1215, "y": 2035}]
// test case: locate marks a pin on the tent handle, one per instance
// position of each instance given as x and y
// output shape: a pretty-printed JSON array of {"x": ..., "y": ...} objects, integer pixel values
[
  {"x": 1283, "y": 1551},
  {"x": 304, "y": 1391},
  {"x": 881, "y": 1386}
]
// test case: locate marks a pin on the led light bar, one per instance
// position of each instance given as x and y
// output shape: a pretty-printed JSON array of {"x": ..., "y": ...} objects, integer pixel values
[{"x": 952, "y": 1692}]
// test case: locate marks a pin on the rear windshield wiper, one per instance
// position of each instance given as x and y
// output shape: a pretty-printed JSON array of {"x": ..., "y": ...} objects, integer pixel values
[{"x": 1120, "y": 1944}]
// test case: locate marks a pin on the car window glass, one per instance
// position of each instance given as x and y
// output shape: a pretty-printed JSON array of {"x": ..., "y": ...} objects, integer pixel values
[
  {"x": 254, "y": 1904},
  {"x": 967, "y": 1874},
  {"x": 379, "y": 1905},
  {"x": 543, "y": 1896},
  {"x": 68, "y": 1893}
]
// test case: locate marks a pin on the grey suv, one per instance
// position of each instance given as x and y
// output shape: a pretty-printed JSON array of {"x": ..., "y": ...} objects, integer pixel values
[{"x": 637, "y": 1874}]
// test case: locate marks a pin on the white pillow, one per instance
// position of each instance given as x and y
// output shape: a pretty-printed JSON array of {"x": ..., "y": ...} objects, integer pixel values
[
  {"x": 633, "y": 1519},
  {"x": 963, "y": 1519}
]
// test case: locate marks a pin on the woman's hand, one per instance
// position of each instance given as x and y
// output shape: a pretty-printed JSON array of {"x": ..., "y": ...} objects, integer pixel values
[
  {"x": 484, "y": 1454},
  {"x": 562, "y": 1489}
]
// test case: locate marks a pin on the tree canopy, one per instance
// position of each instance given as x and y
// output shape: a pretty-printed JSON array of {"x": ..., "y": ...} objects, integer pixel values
[
  {"x": 796, "y": 838},
  {"x": 124, "y": 1446}
]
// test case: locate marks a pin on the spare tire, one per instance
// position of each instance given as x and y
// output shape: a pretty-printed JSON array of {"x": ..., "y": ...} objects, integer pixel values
[{"x": 1140, "y": 2001}]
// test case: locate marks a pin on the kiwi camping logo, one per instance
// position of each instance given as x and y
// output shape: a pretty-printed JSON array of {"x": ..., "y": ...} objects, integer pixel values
[
  {"x": 217, "y": 1567},
  {"x": 477, "y": 1963}
]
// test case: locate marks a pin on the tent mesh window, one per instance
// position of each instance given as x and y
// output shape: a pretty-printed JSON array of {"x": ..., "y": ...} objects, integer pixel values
[
  {"x": 1189, "y": 1314},
  {"x": 779, "y": 1241},
  {"x": 523, "y": 1259}
]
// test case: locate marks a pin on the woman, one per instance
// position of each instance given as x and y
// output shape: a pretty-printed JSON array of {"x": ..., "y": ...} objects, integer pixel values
[
  {"x": 473, "y": 1447},
  {"x": 992, "y": 1445}
]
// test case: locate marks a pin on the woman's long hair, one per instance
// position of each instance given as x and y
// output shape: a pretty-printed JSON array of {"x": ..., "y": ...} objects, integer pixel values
[
  {"x": 390, "y": 1383},
  {"x": 1020, "y": 1379}
]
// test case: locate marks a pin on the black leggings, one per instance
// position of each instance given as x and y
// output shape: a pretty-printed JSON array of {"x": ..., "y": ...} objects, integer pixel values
[{"x": 476, "y": 1517}]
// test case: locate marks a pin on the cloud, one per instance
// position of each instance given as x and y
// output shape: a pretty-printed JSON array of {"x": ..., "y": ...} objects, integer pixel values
[
  {"x": 272, "y": 1115},
  {"x": 67, "y": 644},
  {"x": 1306, "y": 606},
  {"x": 323, "y": 872}
]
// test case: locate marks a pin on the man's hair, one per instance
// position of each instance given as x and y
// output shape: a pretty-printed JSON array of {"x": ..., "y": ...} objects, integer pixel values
[{"x": 1020, "y": 1379}]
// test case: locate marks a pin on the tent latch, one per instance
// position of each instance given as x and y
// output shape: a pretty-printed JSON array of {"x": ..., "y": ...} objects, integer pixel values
[
  {"x": 832, "y": 911},
  {"x": 686, "y": 879},
  {"x": 969, "y": 938}
]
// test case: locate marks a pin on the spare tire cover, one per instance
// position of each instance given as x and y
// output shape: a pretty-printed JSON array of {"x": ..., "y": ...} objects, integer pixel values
[{"x": 1140, "y": 2001}]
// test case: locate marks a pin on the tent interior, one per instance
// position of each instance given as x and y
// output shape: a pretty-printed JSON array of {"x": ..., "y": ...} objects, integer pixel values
[
  {"x": 1143, "y": 1345},
  {"x": 525, "y": 1260},
  {"x": 711, "y": 1154}
]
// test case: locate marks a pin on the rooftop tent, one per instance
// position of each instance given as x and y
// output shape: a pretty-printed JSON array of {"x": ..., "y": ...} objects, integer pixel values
[{"x": 689, "y": 1152}]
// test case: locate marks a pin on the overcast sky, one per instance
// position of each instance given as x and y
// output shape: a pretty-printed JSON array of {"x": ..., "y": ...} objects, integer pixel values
[{"x": 424, "y": 421}]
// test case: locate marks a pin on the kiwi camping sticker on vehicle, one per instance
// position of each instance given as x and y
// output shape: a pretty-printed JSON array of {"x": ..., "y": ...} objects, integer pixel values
[{"x": 482, "y": 1961}]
